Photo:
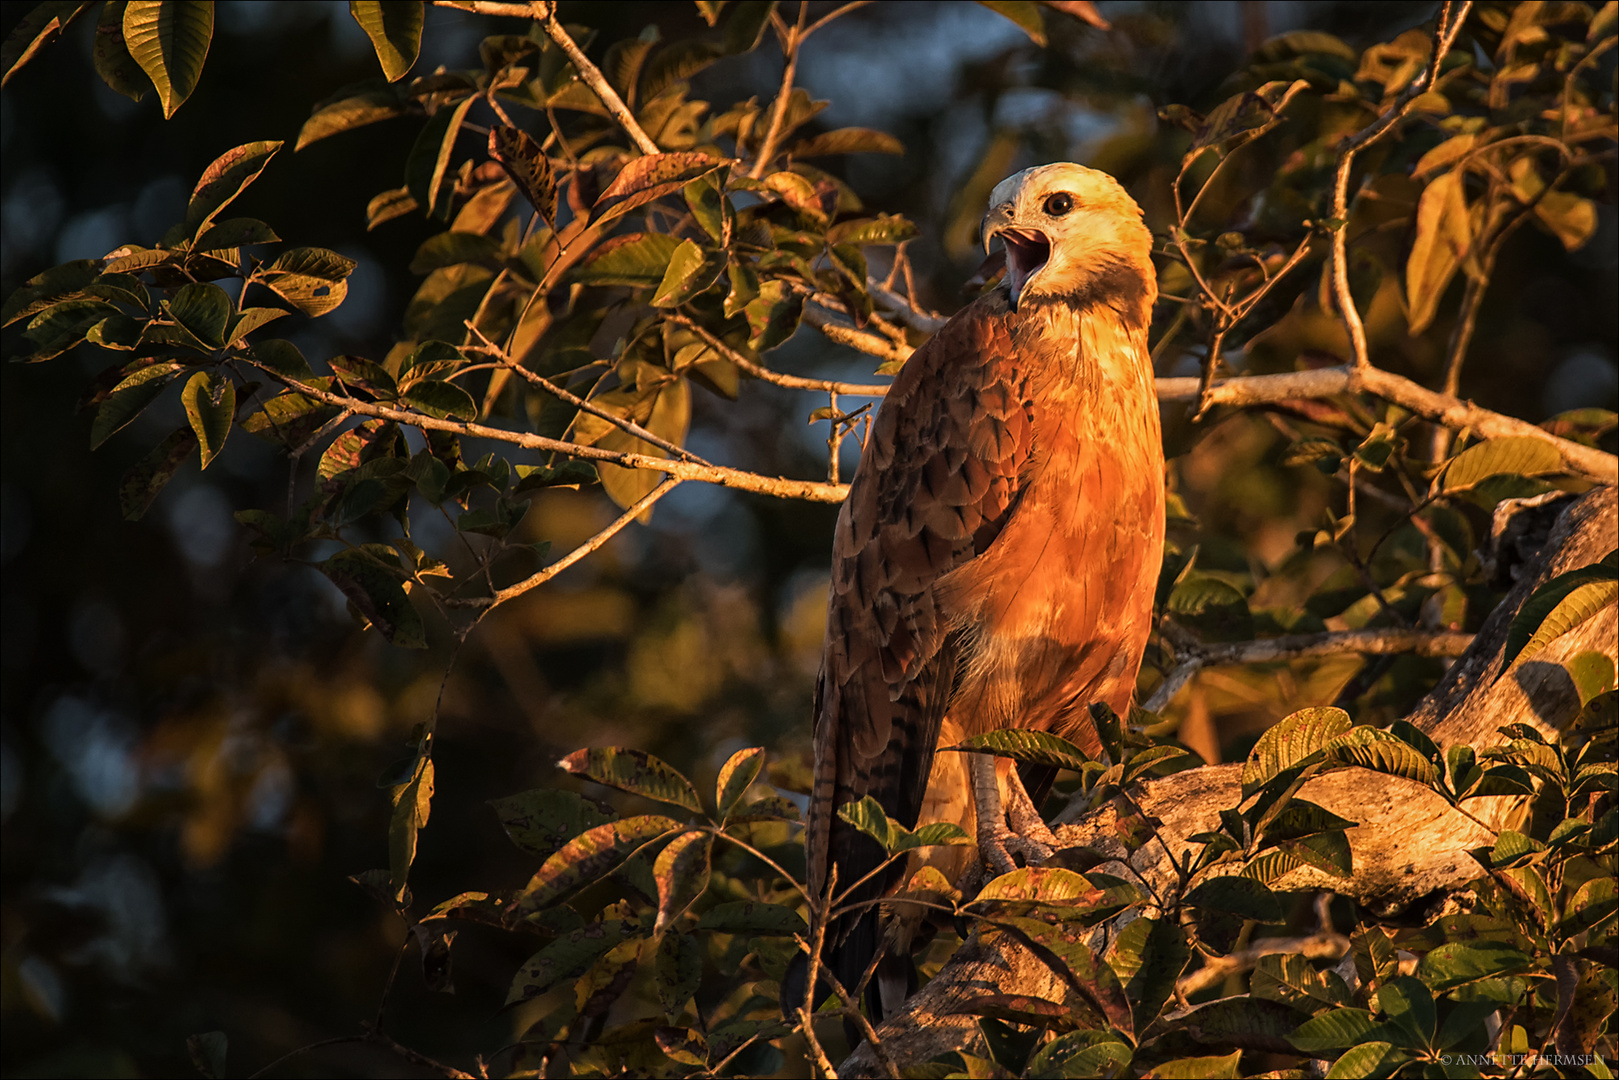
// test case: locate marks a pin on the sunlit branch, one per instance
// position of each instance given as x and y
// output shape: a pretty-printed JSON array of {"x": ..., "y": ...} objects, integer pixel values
[
  {"x": 589, "y": 547},
  {"x": 778, "y": 114},
  {"x": 1451, "y": 17},
  {"x": 1193, "y": 658},
  {"x": 764, "y": 374},
  {"x": 540, "y": 382},
  {"x": 1215, "y": 969},
  {"x": 1440, "y": 408},
  {"x": 545, "y": 13},
  {"x": 904, "y": 308},
  {"x": 737, "y": 479},
  {"x": 845, "y": 333}
]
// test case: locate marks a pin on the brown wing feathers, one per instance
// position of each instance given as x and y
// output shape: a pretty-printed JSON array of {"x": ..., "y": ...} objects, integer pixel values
[{"x": 938, "y": 479}]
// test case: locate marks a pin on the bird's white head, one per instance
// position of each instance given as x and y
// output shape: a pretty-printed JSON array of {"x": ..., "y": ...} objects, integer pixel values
[{"x": 1071, "y": 234}]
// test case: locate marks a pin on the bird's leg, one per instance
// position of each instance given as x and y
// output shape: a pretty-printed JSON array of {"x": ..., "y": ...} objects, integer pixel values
[
  {"x": 997, "y": 843},
  {"x": 1025, "y": 819}
]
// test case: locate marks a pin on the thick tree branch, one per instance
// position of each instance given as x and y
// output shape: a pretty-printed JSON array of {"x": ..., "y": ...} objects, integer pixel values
[{"x": 1409, "y": 845}]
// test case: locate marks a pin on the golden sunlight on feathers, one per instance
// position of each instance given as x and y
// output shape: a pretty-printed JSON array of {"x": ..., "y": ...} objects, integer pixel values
[{"x": 994, "y": 563}]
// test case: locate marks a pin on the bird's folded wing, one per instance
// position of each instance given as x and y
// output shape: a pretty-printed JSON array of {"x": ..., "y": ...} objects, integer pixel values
[{"x": 940, "y": 476}]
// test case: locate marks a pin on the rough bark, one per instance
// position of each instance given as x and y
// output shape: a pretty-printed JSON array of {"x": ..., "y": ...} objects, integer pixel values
[{"x": 1409, "y": 847}]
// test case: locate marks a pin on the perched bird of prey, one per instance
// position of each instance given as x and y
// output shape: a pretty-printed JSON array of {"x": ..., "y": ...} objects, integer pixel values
[{"x": 995, "y": 561}]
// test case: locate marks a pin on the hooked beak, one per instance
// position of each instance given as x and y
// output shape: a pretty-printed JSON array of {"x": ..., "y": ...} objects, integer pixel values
[{"x": 1026, "y": 249}]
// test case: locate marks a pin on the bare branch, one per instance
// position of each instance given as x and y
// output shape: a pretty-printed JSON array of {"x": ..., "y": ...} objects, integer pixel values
[
  {"x": 778, "y": 115},
  {"x": 764, "y": 374},
  {"x": 1323, "y": 946},
  {"x": 904, "y": 308},
  {"x": 624, "y": 424},
  {"x": 589, "y": 547},
  {"x": 1194, "y": 657},
  {"x": 1451, "y": 17},
  {"x": 737, "y": 479},
  {"x": 1439, "y": 408},
  {"x": 844, "y": 333},
  {"x": 546, "y": 14}
]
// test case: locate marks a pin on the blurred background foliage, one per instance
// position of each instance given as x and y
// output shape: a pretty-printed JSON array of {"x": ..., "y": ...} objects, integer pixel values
[{"x": 192, "y": 738}]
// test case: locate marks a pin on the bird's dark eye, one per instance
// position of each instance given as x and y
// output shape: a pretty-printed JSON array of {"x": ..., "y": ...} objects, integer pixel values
[{"x": 1059, "y": 204}]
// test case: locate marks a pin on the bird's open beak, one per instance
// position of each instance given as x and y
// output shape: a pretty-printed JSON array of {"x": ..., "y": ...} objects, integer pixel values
[{"x": 1026, "y": 249}]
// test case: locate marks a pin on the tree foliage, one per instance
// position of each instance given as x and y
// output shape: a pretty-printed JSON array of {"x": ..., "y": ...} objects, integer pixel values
[{"x": 608, "y": 247}]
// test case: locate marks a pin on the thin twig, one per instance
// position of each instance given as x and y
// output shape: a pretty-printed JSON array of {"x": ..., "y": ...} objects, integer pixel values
[
  {"x": 545, "y": 12},
  {"x": 1322, "y": 946},
  {"x": 776, "y": 378},
  {"x": 1193, "y": 658},
  {"x": 540, "y": 382},
  {"x": 594, "y": 544},
  {"x": 739, "y": 479},
  {"x": 1451, "y": 17},
  {"x": 778, "y": 115}
]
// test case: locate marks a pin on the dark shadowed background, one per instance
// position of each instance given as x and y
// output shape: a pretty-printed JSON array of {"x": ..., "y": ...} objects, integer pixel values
[{"x": 192, "y": 739}]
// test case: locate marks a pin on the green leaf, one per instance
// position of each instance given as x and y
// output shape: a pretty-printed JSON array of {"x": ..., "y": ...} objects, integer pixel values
[
  {"x": 753, "y": 918},
  {"x": 454, "y": 248},
  {"x": 376, "y": 593},
  {"x": 64, "y": 325},
  {"x": 1082, "y": 897},
  {"x": 1290, "y": 978},
  {"x": 311, "y": 279},
  {"x": 681, "y": 871},
  {"x": 1198, "y": 1068},
  {"x": 1457, "y": 963},
  {"x": 223, "y": 180},
  {"x": 152, "y": 473},
  {"x": 690, "y": 271},
  {"x": 636, "y": 772},
  {"x": 412, "y": 803},
  {"x": 851, "y": 140},
  {"x": 868, "y": 816},
  {"x": 210, "y": 403},
  {"x": 1515, "y": 455},
  {"x": 739, "y": 771},
  {"x": 591, "y": 856},
  {"x": 204, "y": 309},
  {"x": 1149, "y": 955},
  {"x": 48, "y": 288},
  {"x": 1335, "y": 1029},
  {"x": 525, "y": 162},
  {"x": 1443, "y": 239},
  {"x": 130, "y": 398},
  {"x": 630, "y": 259},
  {"x": 1410, "y": 1008},
  {"x": 283, "y": 358},
  {"x": 1034, "y": 747},
  {"x": 169, "y": 40},
  {"x": 1593, "y": 902},
  {"x": 1583, "y": 601},
  {"x": 542, "y": 821},
  {"x": 330, "y": 118},
  {"x": 710, "y": 208},
  {"x": 1239, "y": 896},
  {"x": 883, "y": 229},
  {"x": 1379, "y": 751},
  {"x": 1024, "y": 14},
  {"x": 235, "y": 233},
  {"x": 1364, "y": 1060},
  {"x": 390, "y": 204},
  {"x": 111, "y": 55},
  {"x": 1081, "y": 1054},
  {"x": 429, "y": 161},
  {"x": 678, "y": 972},
  {"x": 651, "y": 177},
  {"x": 395, "y": 30},
  {"x": 1290, "y": 743},
  {"x": 568, "y": 957},
  {"x": 774, "y": 315},
  {"x": 36, "y": 30}
]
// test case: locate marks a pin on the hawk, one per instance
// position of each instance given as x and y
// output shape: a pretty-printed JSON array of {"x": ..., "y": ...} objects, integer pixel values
[{"x": 995, "y": 561}]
